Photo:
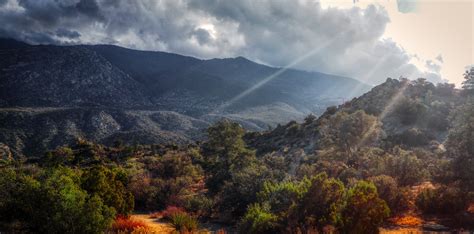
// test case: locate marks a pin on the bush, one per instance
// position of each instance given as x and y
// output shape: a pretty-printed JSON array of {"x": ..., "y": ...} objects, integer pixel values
[
  {"x": 321, "y": 205},
  {"x": 409, "y": 110},
  {"x": 258, "y": 219},
  {"x": 414, "y": 137},
  {"x": 388, "y": 190},
  {"x": 184, "y": 222},
  {"x": 51, "y": 202},
  {"x": 170, "y": 179},
  {"x": 169, "y": 212},
  {"x": 126, "y": 224},
  {"x": 443, "y": 200},
  {"x": 110, "y": 187},
  {"x": 364, "y": 211}
]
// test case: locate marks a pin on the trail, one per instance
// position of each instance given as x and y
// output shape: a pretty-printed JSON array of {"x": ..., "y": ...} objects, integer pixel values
[{"x": 156, "y": 226}]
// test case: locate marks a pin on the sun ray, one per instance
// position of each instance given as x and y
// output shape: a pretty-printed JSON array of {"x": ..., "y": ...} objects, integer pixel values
[
  {"x": 388, "y": 108},
  {"x": 276, "y": 74}
]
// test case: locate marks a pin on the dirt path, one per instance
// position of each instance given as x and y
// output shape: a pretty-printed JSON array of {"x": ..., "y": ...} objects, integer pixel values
[{"x": 155, "y": 225}]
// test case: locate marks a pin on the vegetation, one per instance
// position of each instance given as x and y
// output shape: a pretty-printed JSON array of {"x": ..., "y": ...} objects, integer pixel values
[{"x": 347, "y": 171}]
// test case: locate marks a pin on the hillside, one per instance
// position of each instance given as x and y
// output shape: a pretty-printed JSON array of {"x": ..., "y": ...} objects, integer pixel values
[
  {"x": 412, "y": 113},
  {"x": 32, "y": 131},
  {"x": 75, "y": 81}
]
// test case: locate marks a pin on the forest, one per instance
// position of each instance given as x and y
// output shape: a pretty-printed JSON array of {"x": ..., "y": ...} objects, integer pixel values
[{"x": 371, "y": 163}]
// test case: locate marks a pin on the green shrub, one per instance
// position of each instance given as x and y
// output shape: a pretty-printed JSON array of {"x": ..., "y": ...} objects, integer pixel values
[
  {"x": 51, "y": 201},
  {"x": 109, "y": 186},
  {"x": 184, "y": 222},
  {"x": 258, "y": 219},
  {"x": 364, "y": 211}
]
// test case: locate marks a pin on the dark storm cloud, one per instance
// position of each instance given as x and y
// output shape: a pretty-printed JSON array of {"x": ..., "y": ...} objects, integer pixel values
[
  {"x": 339, "y": 41},
  {"x": 202, "y": 36},
  {"x": 62, "y": 32}
]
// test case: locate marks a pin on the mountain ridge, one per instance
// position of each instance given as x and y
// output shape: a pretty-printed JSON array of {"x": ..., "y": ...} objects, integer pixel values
[{"x": 120, "y": 81}]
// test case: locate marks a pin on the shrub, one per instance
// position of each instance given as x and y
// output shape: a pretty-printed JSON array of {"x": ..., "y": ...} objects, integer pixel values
[
  {"x": 322, "y": 203},
  {"x": 126, "y": 224},
  {"x": 364, "y": 211},
  {"x": 387, "y": 188},
  {"x": 414, "y": 137},
  {"x": 409, "y": 110},
  {"x": 442, "y": 200},
  {"x": 109, "y": 186},
  {"x": 258, "y": 219},
  {"x": 184, "y": 222},
  {"x": 169, "y": 212},
  {"x": 52, "y": 202}
]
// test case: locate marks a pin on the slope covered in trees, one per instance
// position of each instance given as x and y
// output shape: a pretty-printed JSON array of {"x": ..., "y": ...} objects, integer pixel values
[{"x": 403, "y": 151}]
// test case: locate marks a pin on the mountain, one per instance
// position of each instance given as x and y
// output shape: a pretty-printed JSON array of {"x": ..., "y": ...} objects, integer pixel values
[
  {"x": 413, "y": 114},
  {"x": 52, "y": 94}
]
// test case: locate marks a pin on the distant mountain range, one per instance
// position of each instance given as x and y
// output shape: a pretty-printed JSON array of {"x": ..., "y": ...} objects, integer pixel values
[{"x": 50, "y": 95}]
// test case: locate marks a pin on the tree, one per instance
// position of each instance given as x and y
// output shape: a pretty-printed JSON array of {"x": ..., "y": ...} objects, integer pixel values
[
  {"x": 321, "y": 205},
  {"x": 447, "y": 200},
  {"x": 51, "y": 202},
  {"x": 409, "y": 110},
  {"x": 71, "y": 209},
  {"x": 348, "y": 132},
  {"x": 468, "y": 83},
  {"x": 364, "y": 211},
  {"x": 406, "y": 167},
  {"x": 460, "y": 144},
  {"x": 388, "y": 190},
  {"x": 224, "y": 151},
  {"x": 241, "y": 189},
  {"x": 107, "y": 185}
]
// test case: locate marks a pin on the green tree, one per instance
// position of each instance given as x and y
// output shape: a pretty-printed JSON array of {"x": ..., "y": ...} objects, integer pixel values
[
  {"x": 321, "y": 205},
  {"x": 364, "y": 211},
  {"x": 71, "y": 209},
  {"x": 349, "y": 132},
  {"x": 406, "y": 167},
  {"x": 468, "y": 83},
  {"x": 460, "y": 144},
  {"x": 107, "y": 185},
  {"x": 51, "y": 201},
  {"x": 225, "y": 151},
  {"x": 259, "y": 219}
]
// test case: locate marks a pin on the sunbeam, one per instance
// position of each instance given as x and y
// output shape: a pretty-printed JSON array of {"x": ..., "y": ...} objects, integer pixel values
[
  {"x": 388, "y": 108},
  {"x": 276, "y": 74}
]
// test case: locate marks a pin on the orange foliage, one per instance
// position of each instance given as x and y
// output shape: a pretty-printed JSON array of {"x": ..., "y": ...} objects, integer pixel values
[
  {"x": 408, "y": 220},
  {"x": 470, "y": 209},
  {"x": 127, "y": 224}
]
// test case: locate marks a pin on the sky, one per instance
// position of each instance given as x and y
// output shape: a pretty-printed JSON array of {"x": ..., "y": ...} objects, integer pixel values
[{"x": 369, "y": 40}]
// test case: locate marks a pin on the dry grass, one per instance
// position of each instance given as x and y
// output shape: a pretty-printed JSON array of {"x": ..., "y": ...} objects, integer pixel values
[
  {"x": 126, "y": 224},
  {"x": 407, "y": 221}
]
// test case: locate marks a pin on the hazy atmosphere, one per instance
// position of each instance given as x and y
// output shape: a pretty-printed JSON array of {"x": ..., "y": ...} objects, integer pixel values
[{"x": 367, "y": 40}]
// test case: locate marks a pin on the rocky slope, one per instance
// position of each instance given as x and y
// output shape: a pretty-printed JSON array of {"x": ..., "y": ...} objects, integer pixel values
[
  {"x": 32, "y": 131},
  {"x": 50, "y": 95}
]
